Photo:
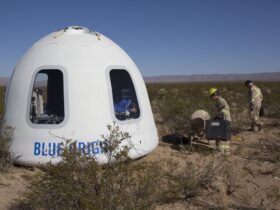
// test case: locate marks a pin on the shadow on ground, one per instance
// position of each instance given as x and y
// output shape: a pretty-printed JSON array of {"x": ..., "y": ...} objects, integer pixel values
[{"x": 180, "y": 142}]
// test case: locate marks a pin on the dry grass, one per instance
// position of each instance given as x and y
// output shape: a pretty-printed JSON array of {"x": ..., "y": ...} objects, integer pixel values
[
  {"x": 268, "y": 151},
  {"x": 79, "y": 182},
  {"x": 6, "y": 157},
  {"x": 174, "y": 103},
  {"x": 6, "y": 134}
]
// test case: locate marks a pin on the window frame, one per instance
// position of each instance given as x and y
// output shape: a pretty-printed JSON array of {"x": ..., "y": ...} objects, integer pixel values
[
  {"x": 110, "y": 94},
  {"x": 65, "y": 93}
]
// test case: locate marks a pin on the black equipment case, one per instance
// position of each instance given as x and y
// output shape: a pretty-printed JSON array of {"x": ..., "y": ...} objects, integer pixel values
[{"x": 218, "y": 130}]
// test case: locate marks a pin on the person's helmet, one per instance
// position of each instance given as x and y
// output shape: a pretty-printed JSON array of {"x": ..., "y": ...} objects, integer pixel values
[
  {"x": 213, "y": 91},
  {"x": 248, "y": 82}
]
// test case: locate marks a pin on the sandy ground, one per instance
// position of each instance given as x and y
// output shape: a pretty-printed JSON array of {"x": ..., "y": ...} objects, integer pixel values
[
  {"x": 252, "y": 179},
  {"x": 12, "y": 183},
  {"x": 254, "y": 184}
]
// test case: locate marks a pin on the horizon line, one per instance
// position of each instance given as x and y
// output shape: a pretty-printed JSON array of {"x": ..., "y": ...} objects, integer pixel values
[{"x": 199, "y": 74}]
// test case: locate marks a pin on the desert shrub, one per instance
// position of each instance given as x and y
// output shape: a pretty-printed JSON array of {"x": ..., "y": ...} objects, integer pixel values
[
  {"x": 188, "y": 182},
  {"x": 230, "y": 178},
  {"x": 79, "y": 182},
  {"x": 192, "y": 181},
  {"x": 174, "y": 103},
  {"x": 268, "y": 151},
  {"x": 6, "y": 158},
  {"x": 273, "y": 193},
  {"x": 240, "y": 120},
  {"x": 271, "y": 94}
]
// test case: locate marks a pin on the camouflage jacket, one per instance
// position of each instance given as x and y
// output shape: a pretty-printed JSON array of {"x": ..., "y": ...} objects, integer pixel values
[
  {"x": 222, "y": 108},
  {"x": 255, "y": 95}
]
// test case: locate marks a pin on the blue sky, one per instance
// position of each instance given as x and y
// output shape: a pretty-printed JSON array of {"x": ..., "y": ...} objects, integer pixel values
[{"x": 163, "y": 37}]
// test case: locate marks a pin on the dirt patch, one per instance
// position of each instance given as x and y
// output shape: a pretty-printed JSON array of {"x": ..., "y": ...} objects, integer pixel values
[
  {"x": 12, "y": 183},
  {"x": 244, "y": 181}
]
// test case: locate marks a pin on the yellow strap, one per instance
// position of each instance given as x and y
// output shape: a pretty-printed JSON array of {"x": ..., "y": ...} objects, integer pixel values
[
  {"x": 224, "y": 146},
  {"x": 237, "y": 138}
]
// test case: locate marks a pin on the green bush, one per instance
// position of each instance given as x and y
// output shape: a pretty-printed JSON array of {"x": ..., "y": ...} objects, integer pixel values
[
  {"x": 79, "y": 182},
  {"x": 6, "y": 158},
  {"x": 6, "y": 134},
  {"x": 174, "y": 103}
]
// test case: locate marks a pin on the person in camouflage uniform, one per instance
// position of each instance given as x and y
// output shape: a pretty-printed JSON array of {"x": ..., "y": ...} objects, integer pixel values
[
  {"x": 197, "y": 124},
  {"x": 221, "y": 105},
  {"x": 255, "y": 104},
  {"x": 222, "y": 113}
]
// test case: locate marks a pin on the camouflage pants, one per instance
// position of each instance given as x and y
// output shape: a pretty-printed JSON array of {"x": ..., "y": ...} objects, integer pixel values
[
  {"x": 197, "y": 127},
  {"x": 254, "y": 116},
  {"x": 222, "y": 146}
]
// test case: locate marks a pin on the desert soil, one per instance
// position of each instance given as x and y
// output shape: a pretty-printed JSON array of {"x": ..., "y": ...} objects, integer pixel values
[
  {"x": 12, "y": 183},
  {"x": 252, "y": 179}
]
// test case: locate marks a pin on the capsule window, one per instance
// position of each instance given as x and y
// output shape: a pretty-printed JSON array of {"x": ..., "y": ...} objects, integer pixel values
[
  {"x": 126, "y": 106},
  {"x": 47, "y": 98}
]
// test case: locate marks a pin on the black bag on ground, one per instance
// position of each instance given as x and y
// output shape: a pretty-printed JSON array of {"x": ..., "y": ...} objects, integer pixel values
[{"x": 218, "y": 130}]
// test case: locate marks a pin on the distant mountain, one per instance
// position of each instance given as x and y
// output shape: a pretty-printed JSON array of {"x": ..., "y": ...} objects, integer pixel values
[{"x": 270, "y": 76}]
